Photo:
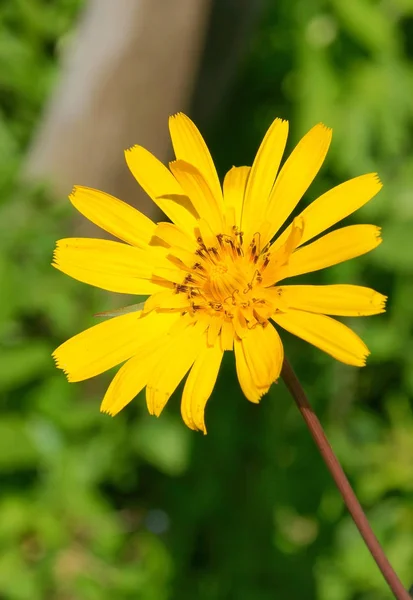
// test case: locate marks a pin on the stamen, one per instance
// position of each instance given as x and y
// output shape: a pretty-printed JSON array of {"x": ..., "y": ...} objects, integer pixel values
[
  {"x": 215, "y": 305},
  {"x": 180, "y": 288},
  {"x": 238, "y": 233},
  {"x": 189, "y": 279},
  {"x": 235, "y": 297},
  {"x": 200, "y": 270},
  {"x": 257, "y": 278},
  {"x": 266, "y": 261},
  {"x": 255, "y": 244}
]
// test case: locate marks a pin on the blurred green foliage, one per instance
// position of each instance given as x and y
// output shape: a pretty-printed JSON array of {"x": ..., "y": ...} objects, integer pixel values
[{"x": 93, "y": 508}]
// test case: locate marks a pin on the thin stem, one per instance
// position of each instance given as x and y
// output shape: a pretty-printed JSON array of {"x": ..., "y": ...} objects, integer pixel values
[{"x": 349, "y": 497}]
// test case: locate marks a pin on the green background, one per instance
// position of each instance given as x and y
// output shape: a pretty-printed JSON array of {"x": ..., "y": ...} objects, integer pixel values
[{"x": 93, "y": 508}]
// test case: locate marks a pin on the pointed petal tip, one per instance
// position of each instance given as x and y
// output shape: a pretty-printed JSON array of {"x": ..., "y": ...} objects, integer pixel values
[
  {"x": 324, "y": 130},
  {"x": 106, "y": 410},
  {"x": 379, "y": 301},
  {"x": 178, "y": 115},
  {"x": 378, "y": 235},
  {"x": 260, "y": 392},
  {"x": 375, "y": 179},
  {"x": 73, "y": 192},
  {"x": 198, "y": 423},
  {"x": 56, "y": 359},
  {"x": 127, "y": 151},
  {"x": 378, "y": 182},
  {"x": 155, "y": 407},
  {"x": 281, "y": 121},
  {"x": 55, "y": 257},
  {"x": 77, "y": 189},
  {"x": 362, "y": 360},
  {"x": 198, "y": 426},
  {"x": 322, "y": 125},
  {"x": 61, "y": 366},
  {"x": 265, "y": 390},
  {"x": 359, "y": 360}
]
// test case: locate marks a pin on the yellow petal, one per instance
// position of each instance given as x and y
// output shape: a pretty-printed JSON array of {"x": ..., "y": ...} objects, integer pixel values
[
  {"x": 239, "y": 323},
  {"x": 264, "y": 354},
  {"x": 190, "y": 147},
  {"x": 182, "y": 259},
  {"x": 281, "y": 255},
  {"x": 110, "y": 265},
  {"x": 167, "y": 300},
  {"x": 173, "y": 363},
  {"x": 181, "y": 325},
  {"x": 332, "y": 249},
  {"x": 175, "y": 237},
  {"x": 196, "y": 187},
  {"x": 327, "y": 334},
  {"x": 107, "y": 344},
  {"x": 131, "y": 378},
  {"x": 227, "y": 335},
  {"x": 214, "y": 330},
  {"x": 199, "y": 385},
  {"x": 230, "y": 220},
  {"x": 159, "y": 183},
  {"x": 114, "y": 216},
  {"x": 295, "y": 177},
  {"x": 209, "y": 237},
  {"x": 262, "y": 176},
  {"x": 344, "y": 300},
  {"x": 235, "y": 182},
  {"x": 248, "y": 386},
  {"x": 335, "y": 205}
]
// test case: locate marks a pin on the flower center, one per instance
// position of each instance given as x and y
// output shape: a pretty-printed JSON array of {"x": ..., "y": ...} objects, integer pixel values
[
  {"x": 225, "y": 278},
  {"x": 224, "y": 281},
  {"x": 218, "y": 271}
]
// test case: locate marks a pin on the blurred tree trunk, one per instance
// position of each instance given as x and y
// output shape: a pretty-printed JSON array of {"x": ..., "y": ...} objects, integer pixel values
[
  {"x": 223, "y": 54},
  {"x": 130, "y": 64}
]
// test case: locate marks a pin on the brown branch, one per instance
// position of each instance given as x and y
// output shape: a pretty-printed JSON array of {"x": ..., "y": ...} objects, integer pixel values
[{"x": 345, "y": 489}]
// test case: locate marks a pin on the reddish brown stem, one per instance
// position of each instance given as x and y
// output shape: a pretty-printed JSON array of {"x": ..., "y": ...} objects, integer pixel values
[{"x": 345, "y": 489}]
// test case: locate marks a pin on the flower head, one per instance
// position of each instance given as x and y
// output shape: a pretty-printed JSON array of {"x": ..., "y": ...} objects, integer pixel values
[{"x": 214, "y": 274}]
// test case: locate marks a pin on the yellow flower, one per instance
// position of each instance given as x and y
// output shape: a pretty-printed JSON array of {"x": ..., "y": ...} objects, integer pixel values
[{"x": 213, "y": 275}]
